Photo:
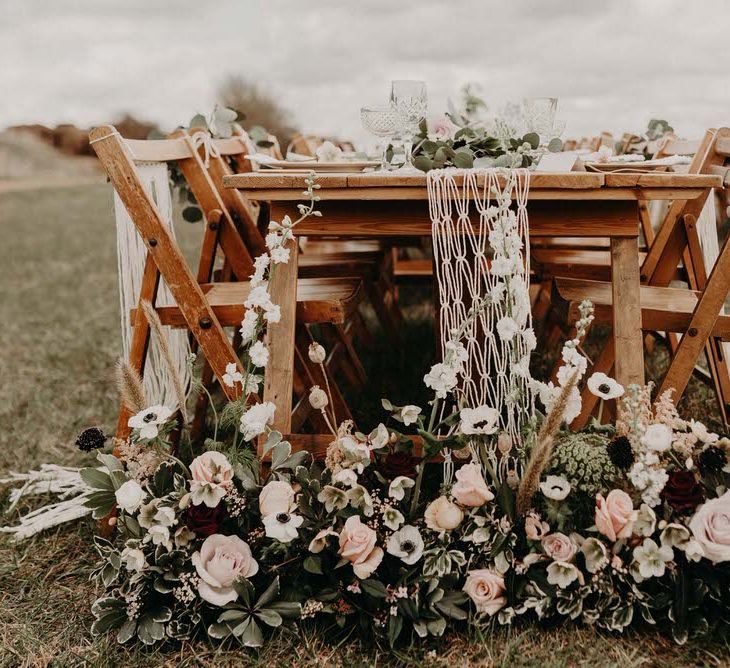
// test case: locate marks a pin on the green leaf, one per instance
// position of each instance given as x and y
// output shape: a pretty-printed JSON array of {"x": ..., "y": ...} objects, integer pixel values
[
  {"x": 269, "y": 617},
  {"x": 111, "y": 620},
  {"x": 235, "y": 615},
  {"x": 287, "y": 609},
  {"x": 274, "y": 438},
  {"x": 245, "y": 590},
  {"x": 97, "y": 479},
  {"x": 374, "y": 588},
  {"x": 532, "y": 138},
  {"x": 395, "y": 626},
  {"x": 127, "y": 631},
  {"x": 219, "y": 631},
  {"x": 198, "y": 121},
  {"x": 149, "y": 631},
  {"x": 422, "y": 162},
  {"x": 192, "y": 214},
  {"x": 272, "y": 591},
  {"x": 280, "y": 454},
  {"x": 463, "y": 159},
  {"x": 313, "y": 564},
  {"x": 110, "y": 461},
  {"x": 555, "y": 145}
]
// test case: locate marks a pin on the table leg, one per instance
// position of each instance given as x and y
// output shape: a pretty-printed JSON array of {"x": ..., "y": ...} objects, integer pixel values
[
  {"x": 279, "y": 376},
  {"x": 627, "y": 333}
]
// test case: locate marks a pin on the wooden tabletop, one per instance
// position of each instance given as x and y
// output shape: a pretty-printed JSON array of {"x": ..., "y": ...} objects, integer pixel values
[{"x": 543, "y": 185}]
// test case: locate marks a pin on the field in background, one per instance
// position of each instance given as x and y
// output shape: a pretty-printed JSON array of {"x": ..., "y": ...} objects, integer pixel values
[{"x": 59, "y": 338}]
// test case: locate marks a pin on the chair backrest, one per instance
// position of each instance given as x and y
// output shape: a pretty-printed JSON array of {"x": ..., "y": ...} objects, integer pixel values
[{"x": 124, "y": 161}]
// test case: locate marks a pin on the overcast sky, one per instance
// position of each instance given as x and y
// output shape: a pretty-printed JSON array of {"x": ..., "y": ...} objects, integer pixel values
[{"x": 613, "y": 64}]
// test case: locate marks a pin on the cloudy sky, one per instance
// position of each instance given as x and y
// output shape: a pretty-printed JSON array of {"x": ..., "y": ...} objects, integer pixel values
[{"x": 614, "y": 65}]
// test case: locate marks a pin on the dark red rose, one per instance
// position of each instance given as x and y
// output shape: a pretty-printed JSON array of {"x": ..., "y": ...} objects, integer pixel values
[
  {"x": 398, "y": 463},
  {"x": 204, "y": 521},
  {"x": 682, "y": 491}
]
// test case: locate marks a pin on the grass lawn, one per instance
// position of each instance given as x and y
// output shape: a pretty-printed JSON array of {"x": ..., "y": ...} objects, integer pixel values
[{"x": 58, "y": 343}]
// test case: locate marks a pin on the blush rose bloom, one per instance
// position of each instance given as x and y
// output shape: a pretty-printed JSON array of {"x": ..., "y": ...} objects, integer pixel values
[
  {"x": 276, "y": 497},
  {"x": 212, "y": 475},
  {"x": 357, "y": 545},
  {"x": 558, "y": 547},
  {"x": 615, "y": 515},
  {"x": 443, "y": 515},
  {"x": 711, "y": 528},
  {"x": 220, "y": 561},
  {"x": 470, "y": 488},
  {"x": 486, "y": 588}
]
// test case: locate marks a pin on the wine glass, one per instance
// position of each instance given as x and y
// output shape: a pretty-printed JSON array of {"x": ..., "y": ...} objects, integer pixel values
[
  {"x": 382, "y": 122},
  {"x": 409, "y": 99}
]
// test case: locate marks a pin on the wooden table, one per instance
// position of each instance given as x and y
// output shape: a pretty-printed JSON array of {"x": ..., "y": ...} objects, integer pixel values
[{"x": 374, "y": 205}]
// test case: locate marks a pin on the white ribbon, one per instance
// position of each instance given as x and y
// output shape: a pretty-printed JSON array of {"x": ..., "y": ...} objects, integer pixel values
[{"x": 205, "y": 140}]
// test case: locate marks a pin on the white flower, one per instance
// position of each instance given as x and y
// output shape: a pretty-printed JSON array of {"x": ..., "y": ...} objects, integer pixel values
[
  {"x": 272, "y": 314},
  {"x": 276, "y": 496},
  {"x": 255, "y": 420},
  {"x": 280, "y": 255},
  {"x": 441, "y": 379},
  {"x": 356, "y": 453},
  {"x": 455, "y": 354},
  {"x": 133, "y": 559},
  {"x": 692, "y": 550},
  {"x": 657, "y": 437},
  {"x": 479, "y": 420},
  {"x": 318, "y": 398},
  {"x": 406, "y": 544},
  {"x": 283, "y": 526},
  {"x": 549, "y": 395},
  {"x": 555, "y": 487},
  {"x": 571, "y": 356},
  {"x": 333, "y": 498},
  {"x": 258, "y": 297},
  {"x": 392, "y": 518},
  {"x": 646, "y": 521},
  {"x": 528, "y": 336},
  {"x": 604, "y": 386},
  {"x": 159, "y": 535},
  {"x": 408, "y": 414},
  {"x": 260, "y": 265},
  {"x": 701, "y": 432},
  {"x": 346, "y": 477},
  {"x": 507, "y": 328},
  {"x": 317, "y": 353},
  {"x": 259, "y": 354},
  {"x": 652, "y": 559},
  {"x": 359, "y": 497},
  {"x": 248, "y": 326},
  {"x": 252, "y": 383},
  {"x": 398, "y": 487},
  {"x": 379, "y": 437},
  {"x": 675, "y": 535},
  {"x": 595, "y": 553},
  {"x": 232, "y": 375},
  {"x": 149, "y": 420},
  {"x": 502, "y": 266},
  {"x": 273, "y": 240},
  {"x": 220, "y": 561},
  {"x": 562, "y": 574},
  {"x": 319, "y": 542},
  {"x": 328, "y": 152},
  {"x": 129, "y": 496}
]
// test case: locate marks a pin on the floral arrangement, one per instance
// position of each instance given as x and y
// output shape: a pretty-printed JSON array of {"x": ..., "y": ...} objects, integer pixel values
[{"x": 410, "y": 529}]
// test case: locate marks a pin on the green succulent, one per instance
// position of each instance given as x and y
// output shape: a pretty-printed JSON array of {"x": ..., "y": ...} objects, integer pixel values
[{"x": 583, "y": 460}]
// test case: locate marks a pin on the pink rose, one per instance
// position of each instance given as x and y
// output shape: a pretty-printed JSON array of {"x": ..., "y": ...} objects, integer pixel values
[
  {"x": 558, "y": 547},
  {"x": 443, "y": 515},
  {"x": 710, "y": 526},
  {"x": 470, "y": 488},
  {"x": 212, "y": 467},
  {"x": 486, "y": 588},
  {"x": 441, "y": 128},
  {"x": 220, "y": 561},
  {"x": 357, "y": 545},
  {"x": 615, "y": 515}
]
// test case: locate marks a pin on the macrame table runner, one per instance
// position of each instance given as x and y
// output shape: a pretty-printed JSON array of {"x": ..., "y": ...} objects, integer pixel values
[{"x": 481, "y": 248}]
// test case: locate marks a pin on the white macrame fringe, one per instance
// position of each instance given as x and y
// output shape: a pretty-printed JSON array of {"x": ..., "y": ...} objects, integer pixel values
[
  {"x": 64, "y": 482},
  {"x": 462, "y": 256},
  {"x": 131, "y": 256}
]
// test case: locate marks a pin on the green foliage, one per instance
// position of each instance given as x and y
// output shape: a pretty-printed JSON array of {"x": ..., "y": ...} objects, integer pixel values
[{"x": 583, "y": 459}]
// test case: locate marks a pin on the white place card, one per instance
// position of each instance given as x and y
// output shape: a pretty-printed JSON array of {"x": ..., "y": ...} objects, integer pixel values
[{"x": 557, "y": 162}]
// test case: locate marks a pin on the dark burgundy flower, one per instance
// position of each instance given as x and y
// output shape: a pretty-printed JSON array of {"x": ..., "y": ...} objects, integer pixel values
[
  {"x": 682, "y": 491},
  {"x": 620, "y": 452},
  {"x": 398, "y": 463},
  {"x": 204, "y": 521},
  {"x": 712, "y": 460},
  {"x": 90, "y": 439}
]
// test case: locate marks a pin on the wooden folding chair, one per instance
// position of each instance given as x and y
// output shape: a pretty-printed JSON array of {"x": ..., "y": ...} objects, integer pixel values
[
  {"x": 695, "y": 313},
  {"x": 201, "y": 307},
  {"x": 368, "y": 260}
]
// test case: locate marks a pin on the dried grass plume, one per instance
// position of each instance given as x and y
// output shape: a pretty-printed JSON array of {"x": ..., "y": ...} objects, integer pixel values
[{"x": 130, "y": 387}]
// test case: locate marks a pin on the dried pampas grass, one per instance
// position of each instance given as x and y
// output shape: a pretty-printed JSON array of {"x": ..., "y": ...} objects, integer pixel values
[
  {"x": 130, "y": 388},
  {"x": 543, "y": 449}
]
